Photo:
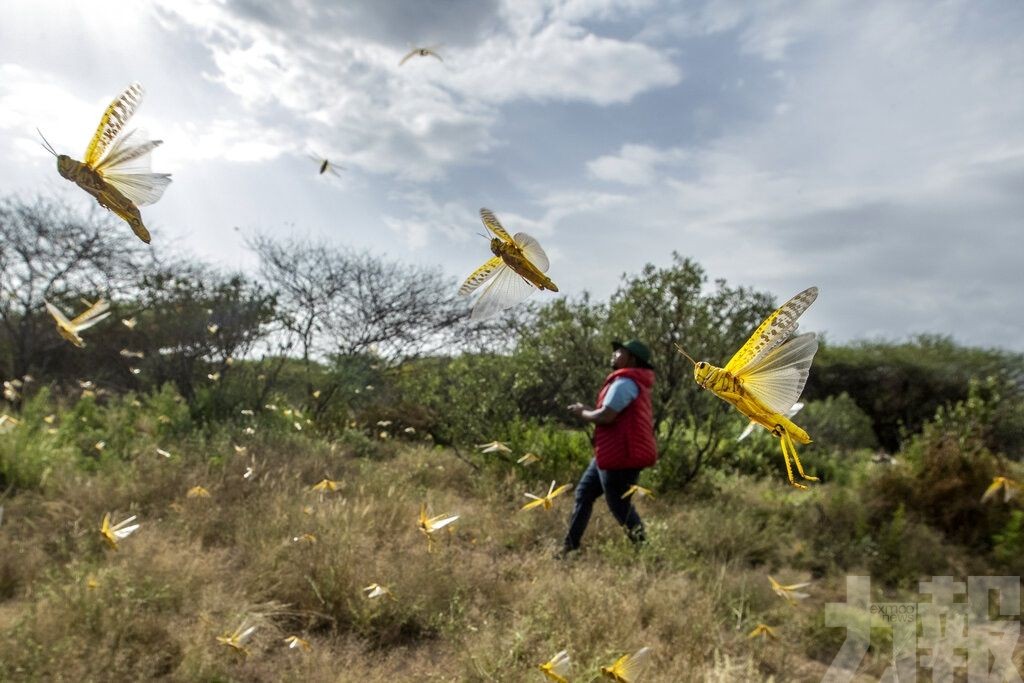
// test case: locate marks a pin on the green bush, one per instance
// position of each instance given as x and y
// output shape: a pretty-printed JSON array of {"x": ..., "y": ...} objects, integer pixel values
[
  {"x": 360, "y": 445},
  {"x": 837, "y": 423},
  {"x": 944, "y": 472},
  {"x": 563, "y": 452},
  {"x": 902, "y": 551},
  {"x": 1009, "y": 543},
  {"x": 33, "y": 449}
]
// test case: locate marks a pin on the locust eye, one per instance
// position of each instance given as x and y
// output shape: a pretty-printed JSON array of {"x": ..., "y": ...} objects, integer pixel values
[{"x": 701, "y": 365}]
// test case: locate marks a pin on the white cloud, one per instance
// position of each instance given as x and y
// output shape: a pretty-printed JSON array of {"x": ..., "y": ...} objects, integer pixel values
[
  {"x": 634, "y": 164},
  {"x": 426, "y": 217},
  {"x": 874, "y": 149},
  {"x": 28, "y": 101},
  {"x": 885, "y": 166},
  {"x": 563, "y": 62},
  {"x": 221, "y": 139},
  {"x": 347, "y": 93}
]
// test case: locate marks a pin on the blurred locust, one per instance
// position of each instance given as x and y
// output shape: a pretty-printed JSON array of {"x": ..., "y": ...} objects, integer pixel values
[
  {"x": 1008, "y": 486},
  {"x": 294, "y": 642},
  {"x": 430, "y": 525},
  {"x": 549, "y": 498},
  {"x": 421, "y": 52},
  {"x": 789, "y": 593},
  {"x": 326, "y": 165},
  {"x": 69, "y": 329},
  {"x": 626, "y": 669},
  {"x": 764, "y": 632},
  {"x": 557, "y": 668},
  {"x": 236, "y": 639},
  {"x": 114, "y": 534}
]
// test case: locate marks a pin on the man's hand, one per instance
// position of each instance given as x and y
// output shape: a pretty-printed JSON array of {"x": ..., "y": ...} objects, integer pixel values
[{"x": 602, "y": 416}]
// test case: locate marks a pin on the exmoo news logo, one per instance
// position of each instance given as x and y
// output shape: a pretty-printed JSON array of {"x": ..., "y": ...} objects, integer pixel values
[{"x": 958, "y": 629}]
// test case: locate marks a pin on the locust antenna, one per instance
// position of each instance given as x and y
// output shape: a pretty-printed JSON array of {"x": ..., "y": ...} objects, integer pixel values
[
  {"x": 48, "y": 147},
  {"x": 680, "y": 350}
]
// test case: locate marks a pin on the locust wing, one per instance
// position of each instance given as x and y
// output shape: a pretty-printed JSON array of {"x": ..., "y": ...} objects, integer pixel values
[
  {"x": 532, "y": 251},
  {"x": 481, "y": 275},
  {"x": 127, "y": 167},
  {"x": 112, "y": 123},
  {"x": 506, "y": 289},
  {"x": 492, "y": 223},
  {"x": 775, "y": 330}
]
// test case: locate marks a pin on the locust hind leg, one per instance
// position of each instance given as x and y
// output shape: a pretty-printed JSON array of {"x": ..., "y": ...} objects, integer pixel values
[
  {"x": 787, "y": 439},
  {"x": 127, "y": 211},
  {"x": 785, "y": 458}
]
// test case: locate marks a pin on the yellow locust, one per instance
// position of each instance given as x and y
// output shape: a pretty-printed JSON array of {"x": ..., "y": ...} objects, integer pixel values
[
  {"x": 790, "y": 593},
  {"x": 430, "y": 525},
  {"x": 626, "y": 669},
  {"x": 512, "y": 275},
  {"x": 764, "y": 632},
  {"x": 116, "y": 169},
  {"x": 557, "y": 668},
  {"x": 548, "y": 500},
  {"x": 69, "y": 329},
  {"x": 115, "y": 533},
  {"x": 766, "y": 376},
  {"x": 237, "y": 638}
]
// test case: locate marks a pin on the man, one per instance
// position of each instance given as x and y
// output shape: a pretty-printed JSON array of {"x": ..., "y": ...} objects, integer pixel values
[{"x": 623, "y": 441}]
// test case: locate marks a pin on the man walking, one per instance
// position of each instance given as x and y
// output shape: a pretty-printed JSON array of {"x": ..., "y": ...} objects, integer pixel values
[{"x": 623, "y": 441}]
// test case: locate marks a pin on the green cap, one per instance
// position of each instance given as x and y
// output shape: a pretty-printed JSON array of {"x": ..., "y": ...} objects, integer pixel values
[{"x": 639, "y": 350}]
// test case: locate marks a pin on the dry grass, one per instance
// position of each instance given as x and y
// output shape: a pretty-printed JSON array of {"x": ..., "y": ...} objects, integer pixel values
[{"x": 488, "y": 604}]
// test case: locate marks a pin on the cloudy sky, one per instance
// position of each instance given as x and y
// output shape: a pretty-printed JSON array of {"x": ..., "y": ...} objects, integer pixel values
[{"x": 875, "y": 149}]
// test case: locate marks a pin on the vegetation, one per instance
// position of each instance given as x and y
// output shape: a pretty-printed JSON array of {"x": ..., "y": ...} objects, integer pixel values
[{"x": 234, "y": 384}]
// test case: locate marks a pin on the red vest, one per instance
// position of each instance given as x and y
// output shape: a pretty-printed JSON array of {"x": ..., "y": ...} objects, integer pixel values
[{"x": 628, "y": 442}]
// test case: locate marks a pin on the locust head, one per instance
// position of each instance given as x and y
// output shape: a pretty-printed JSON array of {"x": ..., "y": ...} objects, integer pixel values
[
  {"x": 497, "y": 246},
  {"x": 704, "y": 372},
  {"x": 64, "y": 163}
]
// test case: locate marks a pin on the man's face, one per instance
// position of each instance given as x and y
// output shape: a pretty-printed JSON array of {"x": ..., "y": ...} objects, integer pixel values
[{"x": 621, "y": 358}]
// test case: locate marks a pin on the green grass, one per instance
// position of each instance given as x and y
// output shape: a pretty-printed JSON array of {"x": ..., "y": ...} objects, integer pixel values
[{"x": 488, "y": 604}]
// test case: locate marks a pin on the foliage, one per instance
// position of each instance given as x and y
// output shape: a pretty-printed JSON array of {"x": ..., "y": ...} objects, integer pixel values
[
  {"x": 32, "y": 451},
  {"x": 486, "y": 604},
  {"x": 1009, "y": 543},
  {"x": 837, "y": 423},
  {"x": 943, "y": 472},
  {"x": 901, "y": 385},
  {"x": 47, "y": 251},
  {"x": 341, "y": 302},
  {"x": 463, "y": 400},
  {"x": 559, "y": 354}
]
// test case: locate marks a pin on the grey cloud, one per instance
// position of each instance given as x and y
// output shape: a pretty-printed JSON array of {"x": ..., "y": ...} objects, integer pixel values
[
  {"x": 391, "y": 22},
  {"x": 945, "y": 262}
]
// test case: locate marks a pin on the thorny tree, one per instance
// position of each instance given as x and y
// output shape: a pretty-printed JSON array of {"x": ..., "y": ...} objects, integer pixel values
[{"x": 49, "y": 252}]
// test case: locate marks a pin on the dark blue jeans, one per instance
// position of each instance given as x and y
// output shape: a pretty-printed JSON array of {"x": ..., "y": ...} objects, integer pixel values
[{"x": 611, "y": 483}]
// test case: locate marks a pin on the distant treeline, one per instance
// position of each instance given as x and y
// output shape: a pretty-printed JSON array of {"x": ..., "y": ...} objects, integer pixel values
[{"x": 358, "y": 339}]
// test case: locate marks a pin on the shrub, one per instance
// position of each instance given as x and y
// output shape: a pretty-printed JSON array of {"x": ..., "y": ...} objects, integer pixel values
[
  {"x": 837, "y": 423},
  {"x": 1009, "y": 543},
  {"x": 32, "y": 450}
]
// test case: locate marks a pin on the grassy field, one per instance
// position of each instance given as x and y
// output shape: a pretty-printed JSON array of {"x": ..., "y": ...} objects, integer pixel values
[{"x": 488, "y": 603}]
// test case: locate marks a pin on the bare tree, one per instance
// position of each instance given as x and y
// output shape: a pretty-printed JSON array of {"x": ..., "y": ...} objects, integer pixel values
[
  {"x": 339, "y": 302},
  {"x": 193, "y": 321},
  {"x": 307, "y": 278},
  {"x": 47, "y": 251}
]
